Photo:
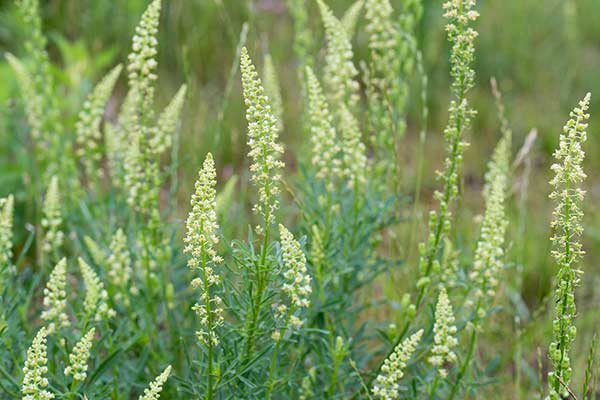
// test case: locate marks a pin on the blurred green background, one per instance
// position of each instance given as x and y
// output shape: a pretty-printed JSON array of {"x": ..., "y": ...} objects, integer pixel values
[{"x": 545, "y": 55}]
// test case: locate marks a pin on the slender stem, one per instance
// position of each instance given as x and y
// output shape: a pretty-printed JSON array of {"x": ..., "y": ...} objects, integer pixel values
[
  {"x": 260, "y": 286},
  {"x": 465, "y": 364},
  {"x": 334, "y": 374},
  {"x": 434, "y": 386},
  {"x": 209, "y": 328},
  {"x": 72, "y": 389},
  {"x": 270, "y": 381},
  {"x": 441, "y": 222}
]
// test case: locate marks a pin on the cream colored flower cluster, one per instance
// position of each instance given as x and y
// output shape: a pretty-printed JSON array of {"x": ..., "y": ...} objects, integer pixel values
[
  {"x": 387, "y": 383},
  {"x": 6, "y": 233},
  {"x": 200, "y": 240},
  {"x": 265, "y": 151},
  {"x": 95, "y": 303},
  {"x": 340, "y": 72},
  {"x": 273, "y": 90},
  {"x": 142, "y": 59},
  {"x": 78, "y": 359},
  {"x": 52, "y": 219},
  {"x": 444, "y": 334},
  {"x": 35, "y": 369},
  {"x": 55, "y": 297},
  {"x": 156, "y": 386},
  {"x": 325, "y": 148},
  {"x": 355, "y": 162},
  {"x": 297, "y": 284},
  {"x": 162, "y": 140},
  {"x": 119, "y": 261},
  {"x": 487, "y": 264},
  {"x": 88, "y": 123}
]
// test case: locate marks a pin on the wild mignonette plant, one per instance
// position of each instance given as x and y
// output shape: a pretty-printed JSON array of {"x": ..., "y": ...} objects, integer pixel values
[
  {"x": 97, "y": 301},
  {"x": 567, "y": 251},
  {"x": 393, "y": 51}
]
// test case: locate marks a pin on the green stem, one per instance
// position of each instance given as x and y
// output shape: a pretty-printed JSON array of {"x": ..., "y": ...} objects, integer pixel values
[
  {"x": 466, "y": 362},
  {"x": 434, "y": 386},
  {"x": 270, "y": 381},
  {"x": 433, "y": 250},
  {"x": 209, "y": 328},
  {"x": 72, "y": 389},
  {"x": 260, "y": 286}
]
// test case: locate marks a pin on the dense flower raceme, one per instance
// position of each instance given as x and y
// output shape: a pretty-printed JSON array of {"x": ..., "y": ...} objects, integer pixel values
[
  {"x": 52, "y": 219},
  {"x": 162, "y": 140},
  {"x": 200, "y": 240},
  {"x": 55, "y": 297},
  {"x": 490, "y": 247},
  {"x": 392, "y": 50},
  {"x": 95, "y": 303},
  {"x": 97, "y": 253},
  {"x": 273, "y": 90},
  {"x": 265, "y": 151},
  {"x": 297, "y": 286},
  {"x": 355, "y": 163},
  {"x": 87, "y": 128},
  {"x": 78, "y": 359},
  {"x": 35, "y": 369},
  {"x": 387, "y": 384},
  {"x": 325, "y": 147},
  {"x": 156, "y": 386},
  {"x": 142, "y": 59},
  {"x": 567, "y": 251},
  {"x": 340, "y": 72},
  {"x": 141, "y": 168},
  {"x": 38, "y": 89},
  {"x": 119, "y": 262},
  {"x": 6, "y": 234},
  {"x": 351, "y": 16},
  {"x": 444, "y": 334}
]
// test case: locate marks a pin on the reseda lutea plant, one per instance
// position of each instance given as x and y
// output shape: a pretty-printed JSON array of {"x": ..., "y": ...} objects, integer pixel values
[{"x": 97, "y": 302}]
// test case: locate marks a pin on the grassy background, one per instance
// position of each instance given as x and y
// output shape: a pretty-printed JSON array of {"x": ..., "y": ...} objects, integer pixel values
[{"x": 544, "y": 54}]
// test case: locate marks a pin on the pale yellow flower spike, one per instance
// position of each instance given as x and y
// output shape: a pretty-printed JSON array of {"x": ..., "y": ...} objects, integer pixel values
[
  {"x": 167, "y": 123},
  {"x": 153, "y": 391},
  {"x": 444, "y": 334},
  {"x": 265, "y": 151},
  {"x": 87, "y": 128},
  {"x": 78, "y": 359},
  {"x": 297, "y": 284},
  {"x": 55, "y": 297},
  {"x": 95, "y": 303},
  {"x": 325, "y": 148},
  {"x": 200, "y": 240},
  {"x": 568, "y": 250},
  {"x": 354, "y": 151},
  {"x": 35, "y": 369},
  {"x": 6, "y": 234},
  {"x": 273, "y": 89},
  {"x": 52, "y": 219},
  {"x": 387, "y": 383},
  {"x": 340, "y": 72}
]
